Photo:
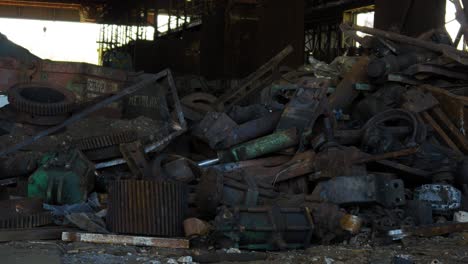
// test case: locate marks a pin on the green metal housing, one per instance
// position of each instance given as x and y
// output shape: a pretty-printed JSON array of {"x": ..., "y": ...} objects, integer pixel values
[{"x": 62, "y": 178}]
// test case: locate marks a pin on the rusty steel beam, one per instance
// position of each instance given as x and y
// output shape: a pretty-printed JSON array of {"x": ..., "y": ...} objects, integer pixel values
[
  {"x": 125, "y": 240},
  {"x": 388, "y": 155},
  {"x": 446, "y": 50},
  {"x": 452, "y": 129},
  {"x": 334, "y": 4},
  {"x": 441, "y": 132},
  {"x": 254, "y": 82},
  {"x": 39, "y": 4}
]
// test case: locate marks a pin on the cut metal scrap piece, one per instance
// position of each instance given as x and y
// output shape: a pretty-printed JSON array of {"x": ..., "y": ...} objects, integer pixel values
[
  {"x": 361, "y": 190},
  {"x": 417, "y": 100},
  {"x": 214, "y": 128},
  {"x": 136, "y": 160},
  {"x": 265, "y": 75},
  {"x": 179, "y": 170},
  {"x": 441, "y": 196},
  {"x": 305, "y": 107},
  {"x": 345, "y": 93},
  {"x": 251, "y": 130},
  {"x": 157, "y": 146},
  {"x": 199, "y": 102},
  {"x": 381, "y": 67}
]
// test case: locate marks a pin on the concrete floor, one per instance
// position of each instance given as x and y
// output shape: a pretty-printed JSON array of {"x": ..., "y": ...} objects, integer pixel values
[{"x": 441, "y": 250}]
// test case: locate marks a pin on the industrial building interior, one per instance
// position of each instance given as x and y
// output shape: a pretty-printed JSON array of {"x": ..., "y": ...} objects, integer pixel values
[{"x": 233, "y": 131}]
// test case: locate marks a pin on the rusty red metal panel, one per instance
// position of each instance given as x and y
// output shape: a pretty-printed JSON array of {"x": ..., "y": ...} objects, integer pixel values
[{"x": 85, "y": 80}]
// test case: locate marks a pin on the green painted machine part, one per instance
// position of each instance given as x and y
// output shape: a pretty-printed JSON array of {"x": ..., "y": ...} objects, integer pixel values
[
  {"x": 265, "y": 228},
  {"x": 62, "y": 178},
  {"x": 261, "y": 146}
]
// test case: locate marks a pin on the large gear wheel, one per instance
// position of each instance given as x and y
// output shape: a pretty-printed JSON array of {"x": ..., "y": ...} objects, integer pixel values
[
  {"x": 41, "y": 99},
  {"x": 104, "y": 141}
]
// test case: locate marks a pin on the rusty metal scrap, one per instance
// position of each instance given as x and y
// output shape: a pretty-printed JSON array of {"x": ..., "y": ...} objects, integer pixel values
[
  {"x": 446, "y": 50},
  {"x": 251, "y": 130},
  {"x": 266, "y": 228},
  {"x": 216, "y": 188},
  {"x": 305, "y": 107},
  {"x": 361, "y": 189},
  {"x": 147, "y": 207},
  {"x": 284, "y": 159},
  {"x": 255, "y": 81},
  {"x": 149, "y": 80},
  {"x": 345, "y": 92}
]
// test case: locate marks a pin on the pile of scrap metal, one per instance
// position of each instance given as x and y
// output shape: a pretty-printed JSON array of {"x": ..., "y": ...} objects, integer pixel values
[
  {"x": 366, "y": 149},
  {"x": 53, "y": 142}
]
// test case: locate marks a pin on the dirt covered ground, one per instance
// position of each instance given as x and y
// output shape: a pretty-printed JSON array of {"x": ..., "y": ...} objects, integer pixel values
[{"x": 437, "y": 250}]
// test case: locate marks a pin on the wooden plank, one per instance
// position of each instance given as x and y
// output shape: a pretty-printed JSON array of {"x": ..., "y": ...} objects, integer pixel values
[
  {"x": 125, "y": 240},
  {"x": 39, "y": 233},
  {"x": 453, "y": 130},
  {"x": 441, "y": 132}
]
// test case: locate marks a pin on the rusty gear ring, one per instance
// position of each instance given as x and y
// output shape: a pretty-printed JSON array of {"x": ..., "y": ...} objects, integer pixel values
[
  {"x": 41, "y": 99},
  {"x": 26, "y": 221},
  {"x": 104, "y": 141}
]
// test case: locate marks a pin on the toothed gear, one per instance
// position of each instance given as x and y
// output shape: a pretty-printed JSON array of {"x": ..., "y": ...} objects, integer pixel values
[
  {"x": 26, "y": 221},
  {"x": 41, "y": 99},
  {"x": 98, "y": 142}
]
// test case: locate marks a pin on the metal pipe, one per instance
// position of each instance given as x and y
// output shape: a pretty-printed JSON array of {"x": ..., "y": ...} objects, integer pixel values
[{"x": 208, "y": 163}]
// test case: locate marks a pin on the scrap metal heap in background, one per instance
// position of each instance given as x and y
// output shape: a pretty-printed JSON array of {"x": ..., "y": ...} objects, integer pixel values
[{"x": 365, "y": 149}]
